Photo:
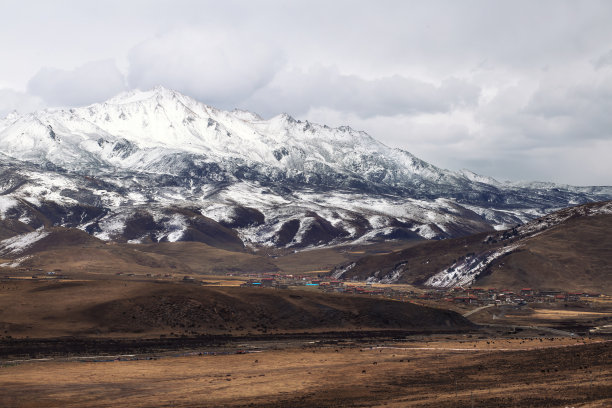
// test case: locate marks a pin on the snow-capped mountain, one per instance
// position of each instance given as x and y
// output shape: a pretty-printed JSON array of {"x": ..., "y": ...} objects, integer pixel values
[{"x": 158, "y": 165}]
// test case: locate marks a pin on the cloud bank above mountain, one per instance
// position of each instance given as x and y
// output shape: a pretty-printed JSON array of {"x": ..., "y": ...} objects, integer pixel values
[
  {"x": 515, "y": 90},
  {"x": 93, "y": 81}
]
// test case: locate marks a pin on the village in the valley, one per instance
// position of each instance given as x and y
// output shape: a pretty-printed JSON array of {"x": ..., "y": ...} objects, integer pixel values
[
  {"x": 458, "y": 295},
  {"x": 466, "y": 295}
]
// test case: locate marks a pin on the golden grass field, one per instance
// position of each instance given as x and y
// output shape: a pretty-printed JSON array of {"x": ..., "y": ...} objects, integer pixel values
[
  {"x": 570, "y": 316},
  {"x": 566, "y": 314},
  {"x": 459, "y": 372}
]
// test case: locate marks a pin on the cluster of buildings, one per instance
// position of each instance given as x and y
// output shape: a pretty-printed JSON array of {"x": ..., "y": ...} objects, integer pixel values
[
  {"x": 492, "y": 295},
  {"x": 461, "y": 295},
  {"x": 327, "y": 285},
  {"x": 478, "y": 296}
]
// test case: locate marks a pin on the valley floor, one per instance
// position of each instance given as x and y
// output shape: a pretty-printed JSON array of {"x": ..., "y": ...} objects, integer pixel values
[
  {"x": 103, "y": 342},
  {"x": 456, "y": 371}
]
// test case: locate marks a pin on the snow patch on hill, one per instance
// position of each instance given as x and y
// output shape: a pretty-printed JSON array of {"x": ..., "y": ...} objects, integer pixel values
[
  {"x": 539, "y": 225},
  {"x": 15, "y": 263},
  {"x": 6, "y": 203},
  {"x": 18, "y": 244},
  {"x": 464, "y": 272}
]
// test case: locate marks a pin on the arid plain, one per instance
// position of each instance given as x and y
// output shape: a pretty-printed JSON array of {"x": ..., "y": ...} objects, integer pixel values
[
  {"x": 65, "y": 355},
  {"x": 420, "y": 372}
]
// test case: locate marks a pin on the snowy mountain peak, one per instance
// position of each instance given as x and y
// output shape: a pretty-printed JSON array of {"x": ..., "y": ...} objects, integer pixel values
[
  {"x": 159, "y": 93},
  {"x": 280, "y": 181},
  {"x": 162, "y": 131},
  {"x": 470, "y": 175},
  {"x": 246, "y": 115},
  {"x": 161, "y": 125}
]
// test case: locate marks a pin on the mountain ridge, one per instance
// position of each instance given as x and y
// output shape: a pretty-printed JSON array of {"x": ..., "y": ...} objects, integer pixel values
[
  {"x": 566, "y": 249},
  {"x": 291, "y": 183}
]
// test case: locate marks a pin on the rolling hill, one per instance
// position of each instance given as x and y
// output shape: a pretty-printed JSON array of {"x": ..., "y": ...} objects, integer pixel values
[
  {"x": 127, "y": 309},
  {"x": 569, "y": 250},
  {"x": 71, "y": 250}
]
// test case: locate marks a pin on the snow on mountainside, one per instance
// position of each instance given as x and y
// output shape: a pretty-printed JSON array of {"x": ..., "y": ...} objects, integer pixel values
[
  {"x": 164, "y": 132},
  {"x": 466, "y": 270},
  {"x": 18, "y": 244},
  {"x": 567, "y": 248},
  {"x": 158, "y": 165}
]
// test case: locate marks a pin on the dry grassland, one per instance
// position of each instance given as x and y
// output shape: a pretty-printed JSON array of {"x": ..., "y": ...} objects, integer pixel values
[
  {"x": 453, "y": 373},
  {"x": 566, "y": 314},
  {"x": 42, "y": 309}
]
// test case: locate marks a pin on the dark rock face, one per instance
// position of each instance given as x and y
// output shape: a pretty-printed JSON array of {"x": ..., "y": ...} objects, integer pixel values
[
  {"x": 202, "y": 229},
  {"x": 287, "y": 232},
  {"x": 320, "y": 231},
  {"x": 192, "y": 226},
  {"x": 11, "y": 227},
  {"x": 139, "y": 225},
  {"x": 241, "y": 217},
  {"x": 401, "y": 234},
  {"x": 49, "y": 214}
]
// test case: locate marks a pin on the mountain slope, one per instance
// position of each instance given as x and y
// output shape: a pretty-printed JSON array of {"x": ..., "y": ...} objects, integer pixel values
[
  {"x": 568, "y": 249},
  {"x": 577, "y": 256},
  {"x": 74, "y": 251},
  {"x": 159, "y": 166}
]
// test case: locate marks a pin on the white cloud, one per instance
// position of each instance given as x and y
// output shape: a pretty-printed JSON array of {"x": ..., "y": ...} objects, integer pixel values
[
  {"x": 553, "y": 126},
  {"x": 219, "y": 67},
  {"x": 501, "y": 88},
  {"x": 11, "y": 100},
  {"x": 92, "y": 82}
]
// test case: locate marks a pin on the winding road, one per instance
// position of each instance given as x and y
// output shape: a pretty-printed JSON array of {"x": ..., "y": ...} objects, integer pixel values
[{"x": 478, "y": 309}]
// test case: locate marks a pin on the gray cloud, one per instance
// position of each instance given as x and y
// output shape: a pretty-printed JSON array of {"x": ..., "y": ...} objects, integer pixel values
[
  {"x": 299, "y": 91},
  {"x": 567, "y": 106},
  {"x": 570, "y": 115},
  {"x": 604, "y": 60},
  {"x": 92, "y": 82}
]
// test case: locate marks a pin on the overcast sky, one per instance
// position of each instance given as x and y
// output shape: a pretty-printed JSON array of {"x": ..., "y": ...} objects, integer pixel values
[{"x": 517, "y": 90}]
